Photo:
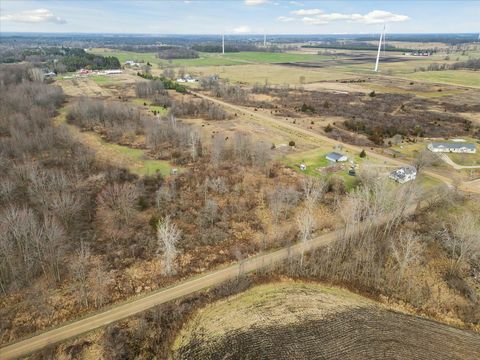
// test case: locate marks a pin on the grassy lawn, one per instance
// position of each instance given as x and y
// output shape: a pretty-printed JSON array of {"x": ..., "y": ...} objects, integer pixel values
[
  {"x": 428, "y": 182},
  {"x": 410, "y": 150},
  {"x": 466, "y": 159},
  {"x": 315, "y": 159}
]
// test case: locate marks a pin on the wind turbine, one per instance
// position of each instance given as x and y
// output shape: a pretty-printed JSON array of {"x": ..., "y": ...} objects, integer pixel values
[
  {"x": 379, "y": 48},
  {"x": 223, "y": 44}
]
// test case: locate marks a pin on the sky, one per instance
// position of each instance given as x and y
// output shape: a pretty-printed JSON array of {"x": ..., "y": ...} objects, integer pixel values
[{"x": 239, "y": 16}]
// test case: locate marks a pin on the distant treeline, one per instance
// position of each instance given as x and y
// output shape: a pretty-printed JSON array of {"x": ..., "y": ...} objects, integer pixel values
[
  {"x": 177, "y": 53},
  {"x": 472, "y": 64},
  {"x": 357, "y": 47},
  {"x": 60, "y": 59},
  {"x": 231, "y": 48},
  {"x": 143, "y": 48},
  {"x": 167, "y": 83},
  {"x": 79, "y": 59},
  {"x": 452, "y": 39}
]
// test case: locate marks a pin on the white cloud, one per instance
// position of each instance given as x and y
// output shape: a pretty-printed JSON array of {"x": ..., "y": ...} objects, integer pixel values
[
  {"x": 255, "y": 2},
  {"x": 303, "y": 12},
  {"x": 285, "y": 18},
  {"x": 314, "y": 21},
  {"x": 380, "y": 16},
  {"x": 318, "y": 17},
  {"x": 243, "y": 29},
  {"x": 296, "y": 3},
  {"x": 34, "y": 16}
]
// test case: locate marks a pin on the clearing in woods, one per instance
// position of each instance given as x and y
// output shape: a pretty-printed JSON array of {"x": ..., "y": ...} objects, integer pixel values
[
  {"x": 304, "y": 321},
  {"x": 135, "y": 160}
]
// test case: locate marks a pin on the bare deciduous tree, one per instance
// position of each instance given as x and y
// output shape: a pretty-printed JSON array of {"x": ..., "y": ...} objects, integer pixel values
[
  {"x": 168, "y": 236},
  {"x": 463, "y": 239},
  {"x": 194, "y": 144},
  {"x": 100, "y": 282},
  {"x": 425, "y": 159},
  {"x": 313, "y": 188},
  {"x": 79, "y": 268},
  {"x": 305, "y": 224},
  {"x": 405, "y": 249}
]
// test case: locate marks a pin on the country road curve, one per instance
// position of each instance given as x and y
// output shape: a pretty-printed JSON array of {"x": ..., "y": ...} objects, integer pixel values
[
  {"x": 313, "y": 135},
  {"x": 132, "y": 307}
]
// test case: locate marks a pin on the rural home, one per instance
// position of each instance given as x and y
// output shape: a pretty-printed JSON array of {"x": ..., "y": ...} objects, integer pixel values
[
  {"x": 113, "y": 72},
  {"x": 452, "y": 147},
  {"x": 336, "y": 157},
  {"x": 404, "y": 174},
  {"x": 131, "y": 63},
  {"x": 187, "y": 79}
]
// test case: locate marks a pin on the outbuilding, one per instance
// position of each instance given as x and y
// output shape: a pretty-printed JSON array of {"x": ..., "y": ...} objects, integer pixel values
[{"x": 336, "y": 157}]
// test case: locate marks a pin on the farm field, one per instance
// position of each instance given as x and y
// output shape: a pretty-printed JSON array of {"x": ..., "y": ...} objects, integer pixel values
[
  {"x": 205, "y": 59},
  {"x": 273, "y": 74},
  {"x": 299, "y": 321}
]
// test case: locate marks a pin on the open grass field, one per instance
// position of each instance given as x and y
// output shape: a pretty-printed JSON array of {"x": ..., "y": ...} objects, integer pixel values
[
  {"x": 159, "y": 109},
  {"x": 452, "y": 77},
  {"x": 268, "y": 57},
  {"x": 291, "y": 320}
]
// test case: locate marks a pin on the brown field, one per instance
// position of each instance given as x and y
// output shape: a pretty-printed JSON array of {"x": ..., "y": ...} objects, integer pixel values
[
  {"x": 305, "y": 321},
  {"x": 273, "y": 74}
]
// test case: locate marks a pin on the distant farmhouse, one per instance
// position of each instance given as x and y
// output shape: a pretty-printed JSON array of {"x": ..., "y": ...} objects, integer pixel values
[
  {"x": 113, "y": 72},
  {"x": 452, "y": 147},
  {"x": 132, "y": 63},
  {"x": 404, "y": 174},
  {"x": 186, "y": 79},
  {"x": 336, "y": 157},
  {"x": 418, "y": 53}
]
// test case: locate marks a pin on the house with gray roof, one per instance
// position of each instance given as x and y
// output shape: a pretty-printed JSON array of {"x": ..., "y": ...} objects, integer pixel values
[
  {"x": 446, "y": 147},
  {"x": 404, "y": 174}
]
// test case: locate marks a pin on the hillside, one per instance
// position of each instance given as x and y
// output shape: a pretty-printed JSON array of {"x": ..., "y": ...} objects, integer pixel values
[{"x": 306, "y": 321}]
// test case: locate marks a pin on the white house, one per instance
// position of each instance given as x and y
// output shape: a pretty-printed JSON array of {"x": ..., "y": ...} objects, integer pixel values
[
  {"x": 187, "y": 79},
  {"x": 404, "y": 174},
  {"x": 452, "y": 147},
  {"x": 131, "y": 63},
  {"x": 336, "y": 157},
  {"x": 113, "y": 72}
]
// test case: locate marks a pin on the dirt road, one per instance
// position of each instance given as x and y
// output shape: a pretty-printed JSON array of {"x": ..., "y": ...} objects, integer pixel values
[
  {"x": 124, "y": 310},
  {"x": 313, "y": 137}
]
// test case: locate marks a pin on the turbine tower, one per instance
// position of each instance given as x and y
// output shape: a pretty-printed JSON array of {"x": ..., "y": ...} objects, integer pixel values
[
  {"x": 223, "y": 44},
  {"x": 379, "y": 49},
  {"x": 265, "y": 39}
]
